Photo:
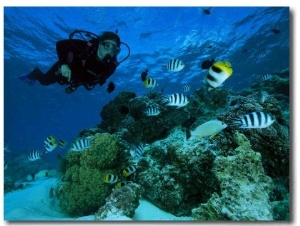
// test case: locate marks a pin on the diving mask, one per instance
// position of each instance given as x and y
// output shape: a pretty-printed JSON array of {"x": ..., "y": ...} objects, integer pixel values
[{"x": 111, "y": 47}]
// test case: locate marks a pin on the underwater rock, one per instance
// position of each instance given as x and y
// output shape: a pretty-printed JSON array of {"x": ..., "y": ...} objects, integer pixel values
[
  {"x": 121, "y": 202},
  {"x": 114, "y": 112},
  {"x": 176, "y": 174},
  {"x": 135, "y": 126},
  {"x": 244, "y": 187},
  {"x": 272, "y": 142},
  {"x": 45, "y": 173},
  {"x": 9, "y": 184}
]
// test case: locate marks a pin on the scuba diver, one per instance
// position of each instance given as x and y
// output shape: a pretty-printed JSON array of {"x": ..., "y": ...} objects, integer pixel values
[{"x": 82, "y": 62}]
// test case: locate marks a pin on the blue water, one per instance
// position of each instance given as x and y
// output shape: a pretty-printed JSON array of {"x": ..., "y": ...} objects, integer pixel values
[{"x": 154, "y": 34}]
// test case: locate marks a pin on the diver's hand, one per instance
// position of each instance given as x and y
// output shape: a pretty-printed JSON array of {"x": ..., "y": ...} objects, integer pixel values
[{"x": 65, "y": 71}]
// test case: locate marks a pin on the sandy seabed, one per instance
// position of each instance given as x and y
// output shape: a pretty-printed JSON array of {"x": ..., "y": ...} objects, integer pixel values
[{"x": 34, "y": 204}]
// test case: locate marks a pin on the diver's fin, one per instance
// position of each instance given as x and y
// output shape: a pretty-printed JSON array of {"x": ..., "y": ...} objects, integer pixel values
[
  {"x": 31, "y": 77},
  {"x": 25, "y": 78}
]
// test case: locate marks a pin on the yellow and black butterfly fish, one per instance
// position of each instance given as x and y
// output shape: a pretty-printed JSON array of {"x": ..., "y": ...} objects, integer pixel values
[
  {"x": 122, "y": 184},
  {"x": 218, "y": 73},
  {"x": 150, "y": 83},
  {"x": 128, "y": 171},
  {"x": 111, "y": 179}
]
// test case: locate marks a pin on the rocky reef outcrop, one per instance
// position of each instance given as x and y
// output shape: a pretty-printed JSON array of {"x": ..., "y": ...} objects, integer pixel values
[
  {"x": 238, "y": 174},
  {"x": 174, "y": 173},
  {"x": 121, "y": 202},
  {"x": 245, "y": 188}
]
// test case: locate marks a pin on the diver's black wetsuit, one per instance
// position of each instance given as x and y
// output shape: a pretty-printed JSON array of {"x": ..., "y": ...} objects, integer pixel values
[{"x": 81, "y": 57}]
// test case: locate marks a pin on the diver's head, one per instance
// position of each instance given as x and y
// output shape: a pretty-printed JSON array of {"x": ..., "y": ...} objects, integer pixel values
[{"x": 109, "y": 45}]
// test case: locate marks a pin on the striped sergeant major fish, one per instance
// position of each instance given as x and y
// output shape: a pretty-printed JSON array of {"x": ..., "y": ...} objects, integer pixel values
[
  {"x": 33, "y": 156},
  {"x": 260, "y": 56},
  {"x": 186, "y": 87},
  {"x": 175, "y": 65},
  {"x": 81, "y": 144},
  {"x": 218, "y": 73},
  {"x": 152, "y": 111},
  {"x": 177, "y": 99},
  {"x": 137, "y": 151},
  {"x": 257, "y": 119},
  {"x": 264, "y": 77}
]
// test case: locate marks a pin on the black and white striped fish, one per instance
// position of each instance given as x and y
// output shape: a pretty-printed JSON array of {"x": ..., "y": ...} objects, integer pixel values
[
  {"x": 186, "y": 87},
  {"x": 137, "y": 151},
  {"x": 81, "y": 144},
  {"x": 260, "y": 56},
  {"x": 257, "y": 119},
  {"x": 152, "y": 111},
  {"x": 175, "y": 65},
  {"x": 177, "y": 99},
  {"x": 265, "y": 77},
  {"x": 33, "y": 156}
]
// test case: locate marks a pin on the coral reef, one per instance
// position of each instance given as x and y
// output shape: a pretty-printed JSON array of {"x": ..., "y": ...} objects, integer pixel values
[
  {"x": 244, "y": 187},
  {"x": 9, "y": 184},
  {"x": 82, "y": 189},
  {"x": 176, "y": 175},
  {"x": 135, "y": 125},
  {"x": 272, "y": 142},
  {"x": 115, "y": 111},
  {"x": 280, "y": 199},
  {"x": 121, "y": 202},
  {"x": 239, "y": 174},
  {"x": 279, "y": 85}
]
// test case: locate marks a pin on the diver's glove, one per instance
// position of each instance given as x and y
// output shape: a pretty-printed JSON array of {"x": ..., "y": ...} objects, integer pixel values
[{"x": 110, "y": 87}]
